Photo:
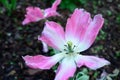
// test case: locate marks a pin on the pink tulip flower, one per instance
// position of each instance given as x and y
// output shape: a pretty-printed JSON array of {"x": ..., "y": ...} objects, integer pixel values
[
  {"x": 80, "y": 33},
  {"x": 35, "y": 14}
]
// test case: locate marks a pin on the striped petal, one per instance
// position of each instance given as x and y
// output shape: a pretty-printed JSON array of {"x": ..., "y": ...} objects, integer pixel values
[
  {"x": 52, "y": 11},
  {"x": 55, "y": 4},
  {"x": 90, "y": 33},
  {"x": 42, "y": 62},
  {"x": 49, "y": 12},
  {"x": 91, "y": 62},
  {"x": 53, "y": 35},
  {"x": 45, "y": 47},
  {"x": 82, "y": 30},
  {"x": 33, "y": 14},
  {"x": 66, "y": 69}
]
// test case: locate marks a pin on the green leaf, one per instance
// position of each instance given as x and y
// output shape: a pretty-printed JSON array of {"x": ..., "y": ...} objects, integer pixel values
[
  {"x": 84, "y": 77},
  {"x": 9, "y": 5},
  {"x": 71, "y": 6},
  {"x": 83, "y": 1},
  {"x": 13, "y": 3},
  {"x": 115, "y": 73},
  {"x": 4, "y": 2}
]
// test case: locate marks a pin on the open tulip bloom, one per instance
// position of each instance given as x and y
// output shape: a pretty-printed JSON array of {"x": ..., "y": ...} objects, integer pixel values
[
  {"x": 80, "y": 33},
  {"x": 35, "y": 14}
]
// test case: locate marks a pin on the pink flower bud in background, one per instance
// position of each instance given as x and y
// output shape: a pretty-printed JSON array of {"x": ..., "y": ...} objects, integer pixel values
[{"x": 35, "y": 14}]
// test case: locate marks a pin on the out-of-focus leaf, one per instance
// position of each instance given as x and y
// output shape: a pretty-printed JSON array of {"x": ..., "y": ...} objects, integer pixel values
[
  {"x": 106, "y": 76},
  {"x": 83, "y": 1},
  {"x": 84, "y": 77},
  {"x": 115, "y": 73}
]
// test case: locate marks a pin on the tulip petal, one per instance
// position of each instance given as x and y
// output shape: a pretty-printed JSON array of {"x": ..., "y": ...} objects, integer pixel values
[
  {"x": 45, "y": 47},
  {"x": 66, "y": 69},
  {"x": 91, "y": 62},
  {"x": 73, "y": 23},
  {"x": 33, "y": 14},
  {"x": 52, "y": 11},
  {"x": 91, "y": 32},
  {"x": 53, "y": 35},
  {"x": 55, "y": 4},
  {"x": 76, "y": 26},
  {"x": 42, "y": 62},
  {"x": 82, "y": 30}
]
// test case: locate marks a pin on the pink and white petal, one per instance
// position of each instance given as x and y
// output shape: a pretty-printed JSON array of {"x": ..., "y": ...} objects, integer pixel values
[
  {"x": 33, "y": 14},
  {"x": 76, "y": 25},
  {"x": 91, "y": 62},
  {"x": 90, "y": 33},
  {"x": 55, "y": 4},
  {"x": 66, "y": 69},
  {"x": 71, "y": 23},
  {"x": 49, "y": 12},
  {"x": 94, "y": 62},
  {"x": 45, "y": 47},
  {"x": 26, "y": 21},
  {"x": 35, "y": 11},
  {"x": 53, "y": 35},
  {"x": 42, "y": 62}
]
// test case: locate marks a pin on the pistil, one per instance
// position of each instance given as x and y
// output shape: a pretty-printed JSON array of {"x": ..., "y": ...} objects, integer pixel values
[{"x": 69, "y": 46}]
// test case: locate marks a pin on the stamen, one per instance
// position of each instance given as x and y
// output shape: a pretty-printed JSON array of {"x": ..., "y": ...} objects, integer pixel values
[
  {"x": 65, "y": 49},
  {"x": 66, "y": 46},
  {"x": 69, "y": 48},
  {"x": 74, "y": 46}
]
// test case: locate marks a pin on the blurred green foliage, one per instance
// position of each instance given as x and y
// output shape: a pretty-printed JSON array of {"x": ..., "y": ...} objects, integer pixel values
[
  {"x": 10, "y": 5},
  {"x": 82, "y": 75},
  {"x": 102, "y": 35},
  {"x": 97, "y": 49},
  {"x": 118, "y": 18},
  {"x": 117, "y": 53},
  {"x": 68, "y": 4},
  {"x": 72, "y": 4},
  {"x": 107, "y": 76}
]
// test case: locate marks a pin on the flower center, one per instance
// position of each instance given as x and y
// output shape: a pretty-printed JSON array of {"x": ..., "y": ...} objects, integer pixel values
[{"x": 69, "y": 48}]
